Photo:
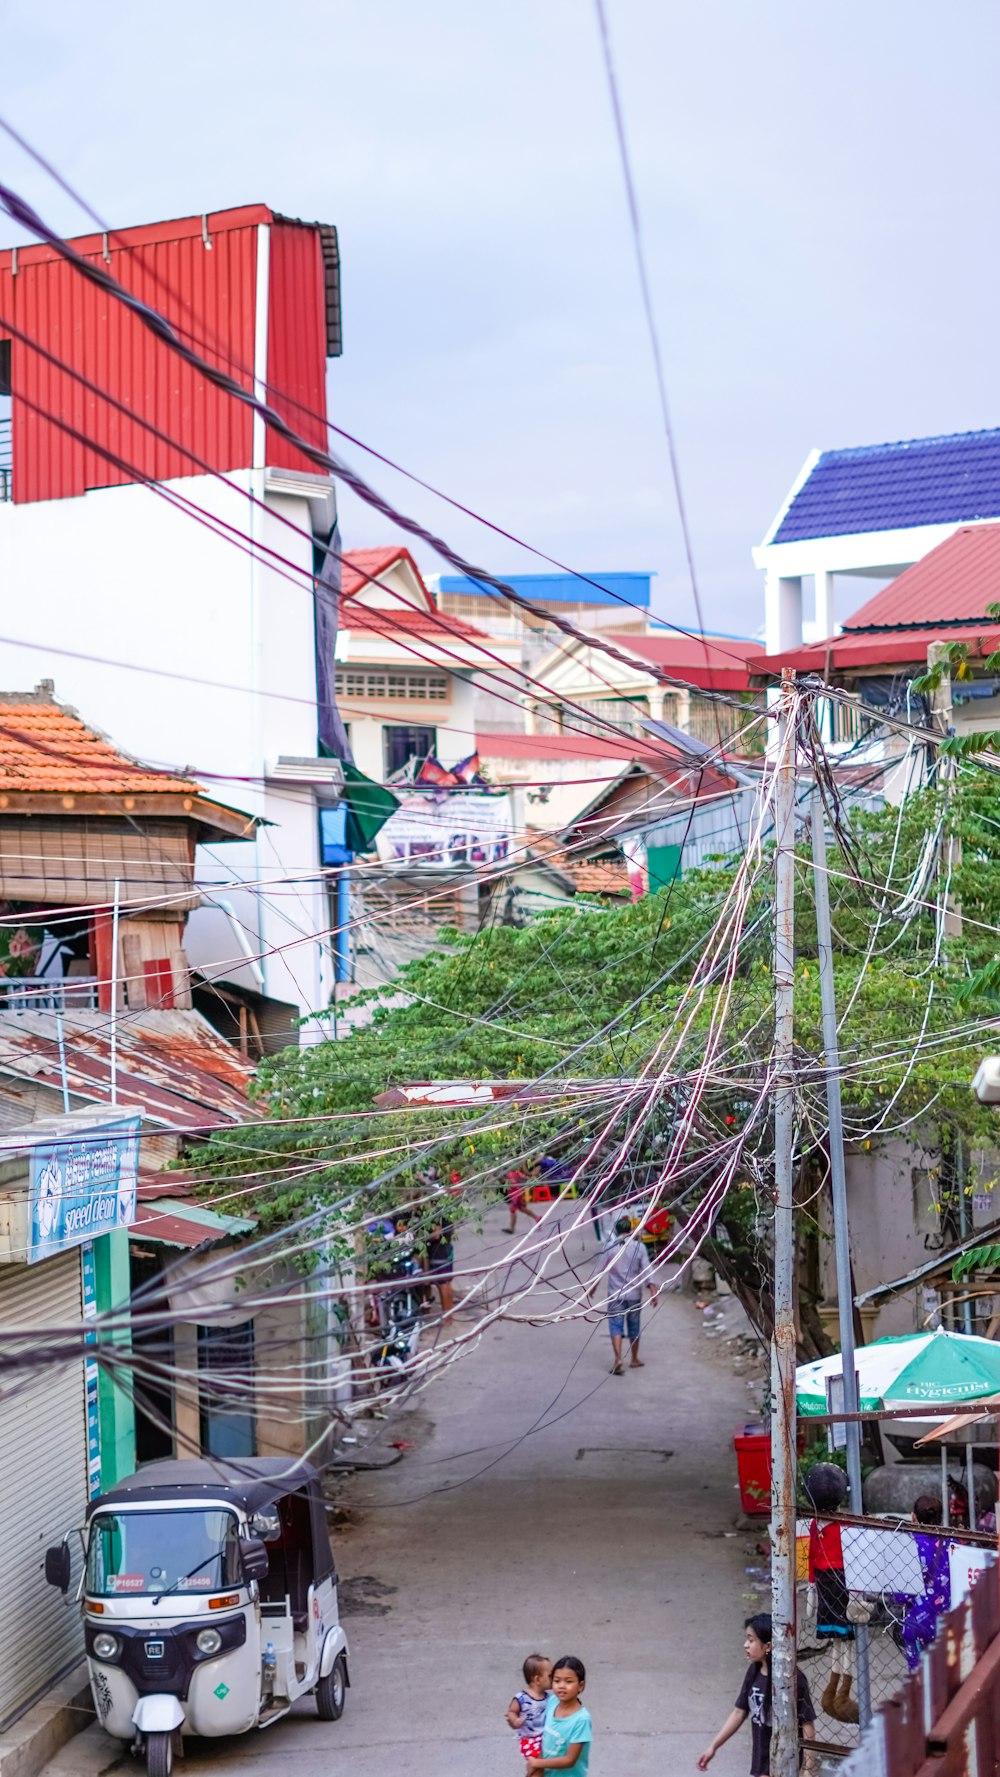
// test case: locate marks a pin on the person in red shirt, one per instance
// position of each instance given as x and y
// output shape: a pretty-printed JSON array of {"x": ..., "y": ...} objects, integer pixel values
[
  {"x": 826, "y": 1487},
  {"x": 517, "y": 1199}
]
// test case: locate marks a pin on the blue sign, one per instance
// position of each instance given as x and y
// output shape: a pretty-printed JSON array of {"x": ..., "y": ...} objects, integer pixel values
[
  {"x": 82, "y": 1186},
  {"x": 333, "y": 834}
]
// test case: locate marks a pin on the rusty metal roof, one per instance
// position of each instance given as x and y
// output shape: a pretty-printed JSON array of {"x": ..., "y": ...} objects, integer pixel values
[
  {"x": 167, "y": 1222},
  {"x": 171, "y": 1065}
]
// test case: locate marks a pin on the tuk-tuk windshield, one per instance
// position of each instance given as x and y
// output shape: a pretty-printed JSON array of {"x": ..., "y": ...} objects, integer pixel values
[{"x": 183, "y": 1551}]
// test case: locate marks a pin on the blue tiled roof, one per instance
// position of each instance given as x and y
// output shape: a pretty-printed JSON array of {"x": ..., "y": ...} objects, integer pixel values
[
  {"x": 591, "y": 589},
  {"x": 888, "y": 487}
]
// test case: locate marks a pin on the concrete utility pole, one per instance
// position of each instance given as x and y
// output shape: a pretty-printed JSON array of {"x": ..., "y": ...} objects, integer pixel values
[
  {"x": 785, "y": 1742},
  {"x": 838, "y": 1187},
  {"x": 942, "y": 711}
]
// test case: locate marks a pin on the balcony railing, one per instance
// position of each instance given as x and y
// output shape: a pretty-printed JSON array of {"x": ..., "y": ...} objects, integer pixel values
[
  {"x": 39, "y": 993},
  {"x": 6, "y": 459}
]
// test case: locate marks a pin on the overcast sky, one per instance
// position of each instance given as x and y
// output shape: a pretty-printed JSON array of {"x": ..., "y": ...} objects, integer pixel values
[{"x": 818, "y": 188}]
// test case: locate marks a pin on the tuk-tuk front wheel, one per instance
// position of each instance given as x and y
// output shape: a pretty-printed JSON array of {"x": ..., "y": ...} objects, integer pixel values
[
  {"x": 331, "y": 1693},
  {"x": 159, "y": 1755}
]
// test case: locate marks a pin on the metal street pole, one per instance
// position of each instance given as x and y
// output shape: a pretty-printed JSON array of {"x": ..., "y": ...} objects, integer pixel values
[
  {"x": 785, "y": 1741},
  {"x": 838, "y": 1187}
]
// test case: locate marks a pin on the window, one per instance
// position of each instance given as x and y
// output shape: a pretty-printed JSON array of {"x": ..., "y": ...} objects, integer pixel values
[
  {"x": 400, "y": 745},
  {"x": 196, "y": 1550},
  {"x": 393, "y": 687},
  {"x": 226, "y": 1369}
]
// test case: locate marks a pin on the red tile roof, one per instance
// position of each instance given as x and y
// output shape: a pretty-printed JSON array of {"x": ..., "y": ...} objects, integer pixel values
[
  {"x": 954, "y": 583},
  {"x": 361, "y": 566},
  {"x": 401, "y": 620},
  {"x": 716, "y": 663},
  {"x": 46, "y": 749}
]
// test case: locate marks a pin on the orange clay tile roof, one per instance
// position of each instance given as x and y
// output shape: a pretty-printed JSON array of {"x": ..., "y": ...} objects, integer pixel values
[
  {"x": 599, "y": 876},
  {"x": 592, "y": 876},
  {"x": 45, "y": 749}
]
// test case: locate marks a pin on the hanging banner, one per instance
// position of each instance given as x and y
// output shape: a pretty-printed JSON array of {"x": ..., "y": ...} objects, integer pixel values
[
  {"x": 82, "y": 1186},
  {"x": 452, "y": 827}
]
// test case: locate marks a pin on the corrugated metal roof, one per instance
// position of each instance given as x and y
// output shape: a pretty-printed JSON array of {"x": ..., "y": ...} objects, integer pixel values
[
  {"x": 625, "y": 588},
  {"x": 297, "y": 342},
  {"x": 715, "y": 663},
  {"x": 887, "y": 487},
  {"x": 168, "y": 1222},
  {"x": 201, "y": 273},
  {"x": 171, "y": 1065},
  {"x": 889, "y": 647},
  {"x": 954, "y": 583}
]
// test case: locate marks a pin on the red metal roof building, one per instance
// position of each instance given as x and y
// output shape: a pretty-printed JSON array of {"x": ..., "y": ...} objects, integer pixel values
[
  {"x": 158, "y": 543},
  {"x": 75, "y": 351}
]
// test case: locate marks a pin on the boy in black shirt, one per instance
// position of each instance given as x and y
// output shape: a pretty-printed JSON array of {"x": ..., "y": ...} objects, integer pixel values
[{"x": 754, "y": 1701}]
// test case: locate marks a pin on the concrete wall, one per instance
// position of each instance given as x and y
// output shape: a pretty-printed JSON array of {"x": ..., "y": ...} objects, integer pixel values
[
  {"x": 890, "y": 1197},
  {"x": 188, "y": 653}
]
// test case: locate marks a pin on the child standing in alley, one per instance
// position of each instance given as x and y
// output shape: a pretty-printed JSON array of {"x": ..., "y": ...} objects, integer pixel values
[
  {"x": 567, "y": 1733},
  {"x": 754, "y": 1701},
  {"x": 526, "y": 1711}
]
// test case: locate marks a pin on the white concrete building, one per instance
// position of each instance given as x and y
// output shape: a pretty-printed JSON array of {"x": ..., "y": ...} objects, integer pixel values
[{"x": 408, "y": 675}]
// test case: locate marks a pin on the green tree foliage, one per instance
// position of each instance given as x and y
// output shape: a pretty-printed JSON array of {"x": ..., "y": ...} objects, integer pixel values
[{"x": 586, "y": 993}]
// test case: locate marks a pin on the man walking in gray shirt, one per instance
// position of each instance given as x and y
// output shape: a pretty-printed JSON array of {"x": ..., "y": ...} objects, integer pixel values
[{"x": 625, "y": 1263}]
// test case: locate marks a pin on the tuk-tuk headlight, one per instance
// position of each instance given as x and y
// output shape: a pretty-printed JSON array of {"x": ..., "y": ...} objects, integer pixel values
[
  {"x": 106, "y": 1647},
  {"x": 208, "y": 1641}
]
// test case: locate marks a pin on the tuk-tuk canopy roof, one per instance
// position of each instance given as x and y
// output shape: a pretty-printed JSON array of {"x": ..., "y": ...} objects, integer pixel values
[{"x": 251, "y": 1483}]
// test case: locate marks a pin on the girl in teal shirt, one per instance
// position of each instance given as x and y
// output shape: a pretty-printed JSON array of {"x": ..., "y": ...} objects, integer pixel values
[{"x": 567, "y": 1733}]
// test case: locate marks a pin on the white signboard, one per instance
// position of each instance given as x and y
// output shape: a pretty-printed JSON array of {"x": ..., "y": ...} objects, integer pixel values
[{"x": 881, "y": 1561}]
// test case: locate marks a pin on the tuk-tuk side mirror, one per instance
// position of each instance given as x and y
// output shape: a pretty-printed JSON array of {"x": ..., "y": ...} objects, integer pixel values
[
  {"x": 253, "y": 1555},
  {"x": 57, "y": 1566}
]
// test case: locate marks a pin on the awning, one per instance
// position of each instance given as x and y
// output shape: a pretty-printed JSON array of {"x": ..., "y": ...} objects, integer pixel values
[
  {"x": 168, "y": 1222},
  {"x": 939, "y": 1262},
  {"x": 983, "y": 1413}
]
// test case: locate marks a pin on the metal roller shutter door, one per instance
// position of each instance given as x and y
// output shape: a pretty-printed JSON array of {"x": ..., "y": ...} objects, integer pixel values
[{"x": 43, "y": 1484}]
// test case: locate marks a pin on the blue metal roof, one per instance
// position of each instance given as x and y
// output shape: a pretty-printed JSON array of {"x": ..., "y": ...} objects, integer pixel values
[
  {"x": 589, "y": 589},
  {"x": 888, "y": 487}
]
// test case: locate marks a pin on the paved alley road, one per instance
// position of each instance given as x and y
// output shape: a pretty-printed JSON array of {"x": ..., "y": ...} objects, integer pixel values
[{"x": 598, "y": 1533}]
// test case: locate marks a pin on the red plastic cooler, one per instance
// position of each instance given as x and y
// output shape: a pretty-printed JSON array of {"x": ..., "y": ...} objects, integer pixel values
[{"x": 752, "y": 1444}]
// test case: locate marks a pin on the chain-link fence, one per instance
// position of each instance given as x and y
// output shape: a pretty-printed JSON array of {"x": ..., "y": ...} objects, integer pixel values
[{"x": 872, "y": 1594}]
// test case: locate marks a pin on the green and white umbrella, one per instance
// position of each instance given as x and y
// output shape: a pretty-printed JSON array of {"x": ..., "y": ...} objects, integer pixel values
[{"x": 922, "y": 1370}]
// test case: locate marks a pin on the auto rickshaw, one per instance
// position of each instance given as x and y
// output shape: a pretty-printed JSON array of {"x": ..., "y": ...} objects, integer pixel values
[{"x": 209, "y": 1601}]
